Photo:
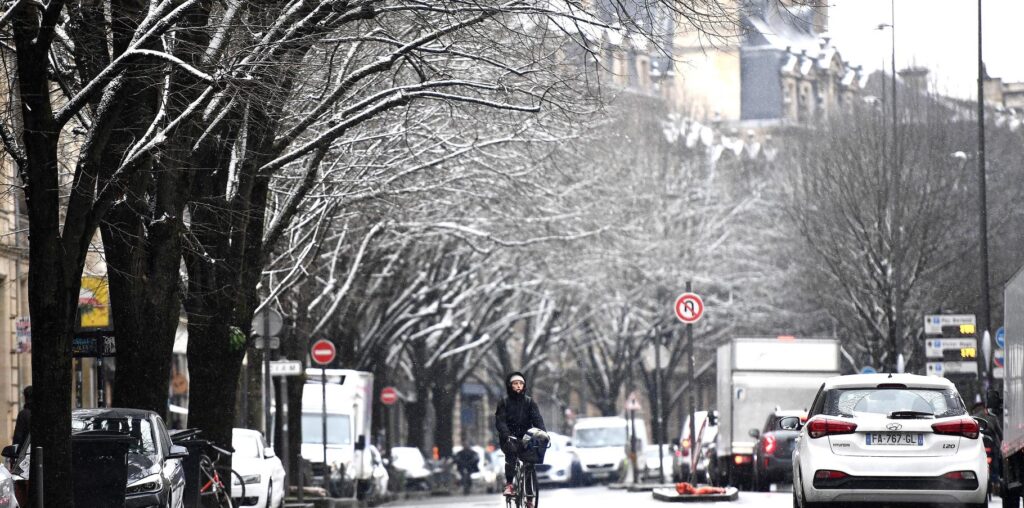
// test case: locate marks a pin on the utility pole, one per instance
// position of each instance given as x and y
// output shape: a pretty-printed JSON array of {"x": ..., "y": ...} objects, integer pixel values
[{"x": 984, "y": 316}]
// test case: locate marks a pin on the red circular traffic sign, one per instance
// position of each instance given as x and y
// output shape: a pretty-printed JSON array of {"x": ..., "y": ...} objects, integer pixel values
[
  {"x": 323, "y": 352},
  {"x": 388, "y": 395},
  {"x": 689, "y": 308}
]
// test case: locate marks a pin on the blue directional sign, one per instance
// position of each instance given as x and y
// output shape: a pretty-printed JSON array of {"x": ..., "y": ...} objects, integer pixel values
[{"x": 1001, "y": 337}]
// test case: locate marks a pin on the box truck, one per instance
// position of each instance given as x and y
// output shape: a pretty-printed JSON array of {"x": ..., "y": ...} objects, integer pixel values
[
  {"x": 344, "y": 461},
  {"x": 756, "y": 376}
]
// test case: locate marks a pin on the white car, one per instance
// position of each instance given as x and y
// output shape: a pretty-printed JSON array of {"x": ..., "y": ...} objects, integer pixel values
[
  {"x": 260, "y": 469},
  {"x": 561, "y": 464},
  {"x": 897, "y": 438}
]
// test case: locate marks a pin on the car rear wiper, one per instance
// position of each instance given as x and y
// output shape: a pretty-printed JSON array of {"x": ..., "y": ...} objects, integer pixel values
[{"x": 905, "y": 415}]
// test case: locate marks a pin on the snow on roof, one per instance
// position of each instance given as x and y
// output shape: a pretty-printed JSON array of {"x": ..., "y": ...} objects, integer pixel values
[{"x": 873, "y": 380}]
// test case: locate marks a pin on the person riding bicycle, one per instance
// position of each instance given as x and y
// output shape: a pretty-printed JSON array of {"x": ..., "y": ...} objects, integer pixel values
[
  {"x": 467, "y": 462},
  {"x": 515, "y": 414}
]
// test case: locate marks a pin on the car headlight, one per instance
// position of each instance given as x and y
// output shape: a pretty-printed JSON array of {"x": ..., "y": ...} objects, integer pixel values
[
  {"x": 150, "y": 483},
  {"x": 249, "y": 479}
]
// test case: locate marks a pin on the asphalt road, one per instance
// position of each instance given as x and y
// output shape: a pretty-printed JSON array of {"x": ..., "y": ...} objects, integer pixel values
[{"x": 603, "y": 497}]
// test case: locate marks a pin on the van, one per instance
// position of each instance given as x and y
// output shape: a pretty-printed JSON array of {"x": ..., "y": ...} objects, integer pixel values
[
  {"x": 602, "y": 444},
  {"x": 348, "y": 411}
]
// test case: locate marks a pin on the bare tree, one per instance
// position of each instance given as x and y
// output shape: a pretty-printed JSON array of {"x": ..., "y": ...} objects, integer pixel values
[{"x": 879, "y": 227}]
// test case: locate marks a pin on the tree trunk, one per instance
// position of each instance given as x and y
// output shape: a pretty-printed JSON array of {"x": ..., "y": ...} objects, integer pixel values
[
  {"x": 416, "y": 417},
  {"x": 443, "y": 400},
  {"x": 214, "y": 362}
]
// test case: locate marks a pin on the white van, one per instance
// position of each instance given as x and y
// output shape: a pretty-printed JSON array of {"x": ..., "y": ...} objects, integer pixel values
[
  {"x": 602, "y": 443},
  {"x": 348, "y": 410}
]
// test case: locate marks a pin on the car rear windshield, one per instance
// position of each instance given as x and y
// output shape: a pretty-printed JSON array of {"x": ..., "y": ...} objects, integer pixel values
[{"x": 886, "y": 401}]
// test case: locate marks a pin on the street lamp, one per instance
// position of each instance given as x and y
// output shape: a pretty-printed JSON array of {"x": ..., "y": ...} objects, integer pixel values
[{"x": 983, "y": 317}]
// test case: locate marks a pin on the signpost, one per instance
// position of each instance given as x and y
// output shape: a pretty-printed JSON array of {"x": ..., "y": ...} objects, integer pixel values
[
  {"x": 388, "y": 397},
  {"x": 322, "y": 353},
  {"x": 689, "y": 308},
  {"x": 267, "y": 324},
  {"x": 284, "y": 369},
  {"x": 933, "y": 323}
]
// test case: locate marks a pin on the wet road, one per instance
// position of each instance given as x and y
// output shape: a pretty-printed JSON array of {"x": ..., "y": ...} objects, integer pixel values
[{"x": 602, "y": 497}]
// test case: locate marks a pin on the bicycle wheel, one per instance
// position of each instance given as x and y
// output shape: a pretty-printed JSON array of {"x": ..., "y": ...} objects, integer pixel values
[
  {"x": 213, "y": 485},
  {"x": 520, "y": 486},
  {"x": 534, "y": 487}
]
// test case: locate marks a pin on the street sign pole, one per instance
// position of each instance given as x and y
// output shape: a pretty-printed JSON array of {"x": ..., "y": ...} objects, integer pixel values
[
  {"x": 267, "y": 430},
  {"x": 692, "y": 385},
  {"x": 323, "y": 407},
  {"x": 284, "y": 433},
  {"x": 657, "y": 398}
]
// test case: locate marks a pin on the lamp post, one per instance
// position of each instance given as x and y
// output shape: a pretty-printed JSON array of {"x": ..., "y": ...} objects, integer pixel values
[{"x": 984, "y": 316}]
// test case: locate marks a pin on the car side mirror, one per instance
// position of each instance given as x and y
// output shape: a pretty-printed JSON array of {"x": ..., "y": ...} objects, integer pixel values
[
  {"x": 269, "y": 453},
  {"x": 10, "y": 451},
  {"x": 360, "y": 443},
  {"x": 386, "y": 462},
  {"x": 177, "y": 452},
  {"x": 754, "y": 433},
  {"x": 789, "y": 423},
  {"x": 982, "y": 424},
  {"x": 712, "y": 419}
]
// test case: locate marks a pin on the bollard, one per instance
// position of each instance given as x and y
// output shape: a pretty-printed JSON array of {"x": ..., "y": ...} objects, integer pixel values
[{"x": 37, "y": 475}]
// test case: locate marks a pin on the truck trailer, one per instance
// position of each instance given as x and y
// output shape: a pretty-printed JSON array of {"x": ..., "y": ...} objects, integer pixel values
[
  {"x": 755, "y": 377},
  {"x": 1012, "y": 447}
]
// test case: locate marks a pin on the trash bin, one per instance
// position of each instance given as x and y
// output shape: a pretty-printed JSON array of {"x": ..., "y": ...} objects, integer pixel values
[
  {"x": 190, "y": 464},
  {"x": 99, "y": 467}
]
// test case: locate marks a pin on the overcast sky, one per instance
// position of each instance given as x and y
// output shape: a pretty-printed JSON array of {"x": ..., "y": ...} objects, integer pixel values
[{"x": 939, "y": 34}]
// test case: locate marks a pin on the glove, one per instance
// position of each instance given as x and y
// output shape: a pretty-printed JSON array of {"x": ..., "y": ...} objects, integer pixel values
[{"x": 512, "y": 441}]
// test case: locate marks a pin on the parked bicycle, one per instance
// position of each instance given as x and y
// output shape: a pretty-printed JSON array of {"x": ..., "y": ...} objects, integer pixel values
[{"x": 215, "y": 482}]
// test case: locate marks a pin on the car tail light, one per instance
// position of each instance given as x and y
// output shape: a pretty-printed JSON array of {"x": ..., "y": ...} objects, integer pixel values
[
  {"x": 743, "y": 459},
  {"x": 965, "y": 427},
  {"x": 960, "y": 475},
  {"x": 825, "y": 474},
  {"x": 826, "y": 427},
  {"x": 769, "y": 444}
]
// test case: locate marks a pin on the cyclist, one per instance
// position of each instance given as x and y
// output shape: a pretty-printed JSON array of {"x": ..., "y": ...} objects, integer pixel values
[{"x": 515, "y": 414}]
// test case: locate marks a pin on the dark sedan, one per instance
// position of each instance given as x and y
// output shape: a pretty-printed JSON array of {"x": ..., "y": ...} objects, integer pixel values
[
  {"x": 155, "y": 475},
  {"x": 773, "y": 455}
]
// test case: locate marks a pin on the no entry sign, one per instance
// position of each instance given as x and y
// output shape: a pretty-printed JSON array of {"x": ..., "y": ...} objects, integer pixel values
[
  {"x": 689, "y": 308},
  {"x": 388, "y": 395},
  {"x": 323, "y": 352}
]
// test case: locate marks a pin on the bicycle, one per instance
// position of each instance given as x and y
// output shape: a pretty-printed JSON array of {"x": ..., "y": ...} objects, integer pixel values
[
  {"x": 211, "y": 481},
  {"x": 524, "y": 483}
]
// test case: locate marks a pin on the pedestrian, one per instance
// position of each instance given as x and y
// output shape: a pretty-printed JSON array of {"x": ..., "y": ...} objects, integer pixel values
[
  {"x": 23, "y": 425},
  {"x": 467, "y": 463}
]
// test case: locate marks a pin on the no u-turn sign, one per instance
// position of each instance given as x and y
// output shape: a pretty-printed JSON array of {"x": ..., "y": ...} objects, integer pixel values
[{"x": 689, "y": 308}]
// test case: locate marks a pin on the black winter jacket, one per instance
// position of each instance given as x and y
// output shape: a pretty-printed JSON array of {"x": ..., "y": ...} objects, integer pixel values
[{"x": 516, "y": 413}]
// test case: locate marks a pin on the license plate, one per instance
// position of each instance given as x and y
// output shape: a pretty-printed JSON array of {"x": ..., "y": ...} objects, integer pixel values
[{"x": 894, "y": 439}]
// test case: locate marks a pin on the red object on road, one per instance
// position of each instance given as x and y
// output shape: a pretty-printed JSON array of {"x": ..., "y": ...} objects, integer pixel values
[
  {"x": 323, "y": 352},
  {"x": 388, "y": 395}
]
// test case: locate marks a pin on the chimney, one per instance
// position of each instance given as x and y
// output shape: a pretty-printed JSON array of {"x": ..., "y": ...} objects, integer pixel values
[{"x": 916, "y": 78}]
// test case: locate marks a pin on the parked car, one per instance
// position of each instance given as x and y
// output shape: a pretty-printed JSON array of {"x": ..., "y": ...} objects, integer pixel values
[
  {"x": 707, "y": 430},
  {"x": 876, "y": 438},
  {"x": 260, "y": 469},
  {"x": 7, "y": 497},
  {"x": 155, "y": 473},
  {"x": 498, "y": 466},
  {"x": 484, "y": 479},
  {"x": 410, "y": 462},
  {"x": 773, "y": 454},
  {"x": 602, "y": 443},
  {"x": 561, "y": 463},
  {"x": 650, "y": 468}
]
